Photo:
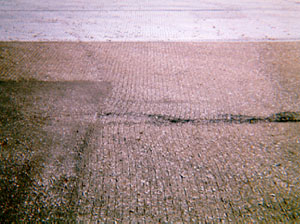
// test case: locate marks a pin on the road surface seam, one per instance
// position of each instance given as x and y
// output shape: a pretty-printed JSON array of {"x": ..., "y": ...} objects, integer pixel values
[{"x": 224, "y": 118}]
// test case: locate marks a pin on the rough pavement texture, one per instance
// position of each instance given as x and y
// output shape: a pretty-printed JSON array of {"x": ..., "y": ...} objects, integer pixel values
[
  {"x": 144, "y": 20},
  {"x": 150, "y": 132}
]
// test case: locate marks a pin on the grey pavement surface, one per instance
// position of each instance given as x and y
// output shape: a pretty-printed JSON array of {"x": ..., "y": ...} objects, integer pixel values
[{"x": 145, "y": 20}]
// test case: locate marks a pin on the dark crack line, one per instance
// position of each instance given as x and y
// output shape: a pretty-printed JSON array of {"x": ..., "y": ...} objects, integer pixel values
[
  {"x": 81, "y": 151},
  {"x": 223, "y": 118}
]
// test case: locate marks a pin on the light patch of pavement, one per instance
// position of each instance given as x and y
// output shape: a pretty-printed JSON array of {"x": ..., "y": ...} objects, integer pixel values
[{"x": 149, "y": 20}]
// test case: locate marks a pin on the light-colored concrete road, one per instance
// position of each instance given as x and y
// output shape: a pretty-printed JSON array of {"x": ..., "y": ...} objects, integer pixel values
[{"x": 146, "y": 20}]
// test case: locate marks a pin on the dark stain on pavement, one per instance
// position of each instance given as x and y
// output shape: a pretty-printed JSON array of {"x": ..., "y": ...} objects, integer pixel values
[{"x": 33, "y": 117}]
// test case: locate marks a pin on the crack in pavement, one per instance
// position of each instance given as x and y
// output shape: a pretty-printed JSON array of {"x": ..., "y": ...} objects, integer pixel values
[{"x": 223, "y": 118}]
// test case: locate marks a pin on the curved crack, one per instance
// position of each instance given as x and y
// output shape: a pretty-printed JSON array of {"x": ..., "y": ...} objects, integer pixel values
[{"x": 223, "y": 118}]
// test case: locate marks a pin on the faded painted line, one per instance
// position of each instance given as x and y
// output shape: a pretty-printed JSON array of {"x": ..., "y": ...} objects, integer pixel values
[{"x": 125, "y": 10}]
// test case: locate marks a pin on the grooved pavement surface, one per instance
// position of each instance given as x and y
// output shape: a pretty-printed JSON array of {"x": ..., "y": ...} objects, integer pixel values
[{"x": 151, "y": 132}]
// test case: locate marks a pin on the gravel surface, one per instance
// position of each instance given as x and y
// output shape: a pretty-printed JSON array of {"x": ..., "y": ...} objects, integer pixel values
[{"x": 150, "y": 132}]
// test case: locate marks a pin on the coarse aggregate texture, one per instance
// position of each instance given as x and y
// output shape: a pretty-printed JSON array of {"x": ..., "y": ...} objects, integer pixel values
[
  {"x": 150, "y": 132},
  {"x": 144, "y": 20}
]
